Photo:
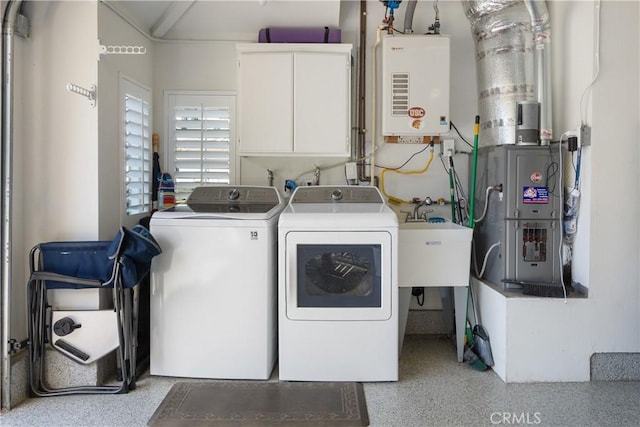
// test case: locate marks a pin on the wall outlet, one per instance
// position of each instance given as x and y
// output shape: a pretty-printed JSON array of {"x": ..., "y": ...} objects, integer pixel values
[
  {"x": 585, "y": 136},
  {"x": 448, "y": 147}
]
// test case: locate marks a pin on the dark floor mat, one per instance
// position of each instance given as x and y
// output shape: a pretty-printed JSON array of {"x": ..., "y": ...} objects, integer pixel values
[{"x": 259, "y": 403}]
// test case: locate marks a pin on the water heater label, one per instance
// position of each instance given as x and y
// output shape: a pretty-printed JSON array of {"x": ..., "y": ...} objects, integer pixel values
[{"x": 535, "y": 195}]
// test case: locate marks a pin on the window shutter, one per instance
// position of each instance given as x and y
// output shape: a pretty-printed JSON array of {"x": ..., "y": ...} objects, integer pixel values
[
  {"x": 137, "y": 153},
  {"x": 201, "y": 142}
]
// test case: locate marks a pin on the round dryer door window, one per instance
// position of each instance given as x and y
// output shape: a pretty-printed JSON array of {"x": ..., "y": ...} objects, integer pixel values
[{"x": 339, "y": 275}]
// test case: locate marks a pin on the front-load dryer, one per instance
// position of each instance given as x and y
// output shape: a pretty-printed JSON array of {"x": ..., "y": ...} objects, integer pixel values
[
  {"x": 337, "y": 286},
  {"x": 214, "y": 288}
]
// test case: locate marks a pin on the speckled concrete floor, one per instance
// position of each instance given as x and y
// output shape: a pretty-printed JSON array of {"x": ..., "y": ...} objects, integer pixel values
[{"x": 434, "y": 390}]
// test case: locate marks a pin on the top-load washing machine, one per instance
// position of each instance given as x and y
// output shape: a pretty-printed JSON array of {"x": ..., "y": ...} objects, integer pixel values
[
  {"x": 337, "y": 286},
  {"x": 213, "y": 297}
]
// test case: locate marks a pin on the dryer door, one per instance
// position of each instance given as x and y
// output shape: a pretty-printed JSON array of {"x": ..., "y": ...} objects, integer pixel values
[{"x": 339, "y": 275}]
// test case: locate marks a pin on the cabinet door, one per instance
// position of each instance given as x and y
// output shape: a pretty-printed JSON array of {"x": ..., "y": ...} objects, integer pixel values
[
  {"x": 322, "y": 103},
  {"x": 266, "y": 103}
]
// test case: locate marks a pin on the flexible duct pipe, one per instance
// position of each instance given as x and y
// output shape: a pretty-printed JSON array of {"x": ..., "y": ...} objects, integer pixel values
[
  {"x": 8, "y": 29},
  {"x": 542, "y": 39},
  {"x": 505, "y": 69}
]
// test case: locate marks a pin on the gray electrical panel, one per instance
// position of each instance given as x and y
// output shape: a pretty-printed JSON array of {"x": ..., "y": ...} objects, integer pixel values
[{"x": 523, "y": 224}]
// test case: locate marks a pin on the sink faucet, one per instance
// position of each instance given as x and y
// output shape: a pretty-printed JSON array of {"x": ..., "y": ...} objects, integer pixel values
[{"x": 417, "y": 204}]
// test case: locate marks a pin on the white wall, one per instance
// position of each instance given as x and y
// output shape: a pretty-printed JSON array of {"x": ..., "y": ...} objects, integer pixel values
[
  {"x": 613, "y": 233},
  {"x": 56, "y": 135},
  {"x": 60, "y": 129},
  {"x": 113, "y": 31},
  {"x": 204, "y": 66}
]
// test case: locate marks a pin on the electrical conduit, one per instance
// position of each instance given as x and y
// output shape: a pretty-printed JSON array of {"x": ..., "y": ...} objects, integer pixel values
[
  {"x": 8, "y": 30},
  {"x": 372, "y": 156}
]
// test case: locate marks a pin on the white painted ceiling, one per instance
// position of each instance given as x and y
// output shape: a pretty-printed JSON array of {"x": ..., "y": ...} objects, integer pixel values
[{"x": 224, "y": 19}]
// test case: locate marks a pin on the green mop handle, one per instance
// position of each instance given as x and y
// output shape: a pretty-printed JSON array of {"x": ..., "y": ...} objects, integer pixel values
[{"x": 476, "y": 131}]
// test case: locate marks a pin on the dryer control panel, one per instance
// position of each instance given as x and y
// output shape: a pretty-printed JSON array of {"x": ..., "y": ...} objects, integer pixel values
[{"x": 339, "y": 194}]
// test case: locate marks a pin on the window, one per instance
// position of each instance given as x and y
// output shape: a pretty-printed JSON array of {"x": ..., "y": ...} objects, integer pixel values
[
  {"x": 200, "y": 149},
  {"x": 136, "y": 113}
]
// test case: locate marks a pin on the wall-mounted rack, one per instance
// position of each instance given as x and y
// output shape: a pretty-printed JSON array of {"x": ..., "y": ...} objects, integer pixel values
[
  {"x": 90, "y": 94},
  {"x": 120, "y": 50}
]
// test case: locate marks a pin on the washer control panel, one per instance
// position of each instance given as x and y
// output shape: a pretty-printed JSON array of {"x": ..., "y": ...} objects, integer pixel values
[
  {"x": 233, "y": 199},
  {"x": 234, "y": 194}
]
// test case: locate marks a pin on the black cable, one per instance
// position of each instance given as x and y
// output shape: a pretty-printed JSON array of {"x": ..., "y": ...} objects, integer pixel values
[
  {"x": 444, "y": 166},
  {"x": 407, "y": 161},
  {"x": 552, "y": 169},
  {"x": 459, "y": 134},
  {"x": 452, "y": 167},
  {"x": 458, "y": 206},
  {"x": 418, "y": 292},
  {"x": 459, "y": 188},
  {"x": 573, "y": 163},
  {"x": 456, "y": 179}
]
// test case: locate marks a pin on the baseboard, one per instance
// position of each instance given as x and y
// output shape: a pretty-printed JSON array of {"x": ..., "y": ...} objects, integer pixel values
[{"x": 615, "y": 367}]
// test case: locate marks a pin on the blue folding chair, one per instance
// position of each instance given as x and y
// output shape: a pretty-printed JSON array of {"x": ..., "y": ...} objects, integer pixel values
[{"x": 87, "y": 336}]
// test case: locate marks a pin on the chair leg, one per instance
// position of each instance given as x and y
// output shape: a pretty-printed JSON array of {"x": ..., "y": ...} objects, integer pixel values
[{"x": 39, "y": 334}]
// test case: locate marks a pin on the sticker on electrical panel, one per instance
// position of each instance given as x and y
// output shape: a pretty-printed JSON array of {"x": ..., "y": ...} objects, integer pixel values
[
  {"x": 535, "y": 195},
  {"x": 536, "y": 177}
]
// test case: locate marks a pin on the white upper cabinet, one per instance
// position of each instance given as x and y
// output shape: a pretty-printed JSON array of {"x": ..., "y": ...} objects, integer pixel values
[{"x": 294, "y": 99}]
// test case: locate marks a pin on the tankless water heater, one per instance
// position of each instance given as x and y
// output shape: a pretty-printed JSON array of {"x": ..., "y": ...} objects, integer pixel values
[{"x": 415, "y": 85}]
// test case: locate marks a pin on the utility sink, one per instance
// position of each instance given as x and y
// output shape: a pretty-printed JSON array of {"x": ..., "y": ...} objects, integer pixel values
[{"x": 433, "y": 254}]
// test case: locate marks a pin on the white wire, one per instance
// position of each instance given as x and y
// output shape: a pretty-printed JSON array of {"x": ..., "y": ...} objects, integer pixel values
[
  {"x": 596, "y": 31},
  {"x": 484, "y": 262},
  {"x": 486, "y": 205},
  {"x": 316, "y": 169}
]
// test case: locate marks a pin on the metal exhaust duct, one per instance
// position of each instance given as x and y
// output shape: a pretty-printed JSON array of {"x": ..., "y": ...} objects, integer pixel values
[
  {"x": 503, "y": 31},
  {"x": 541, "y": 27}
]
